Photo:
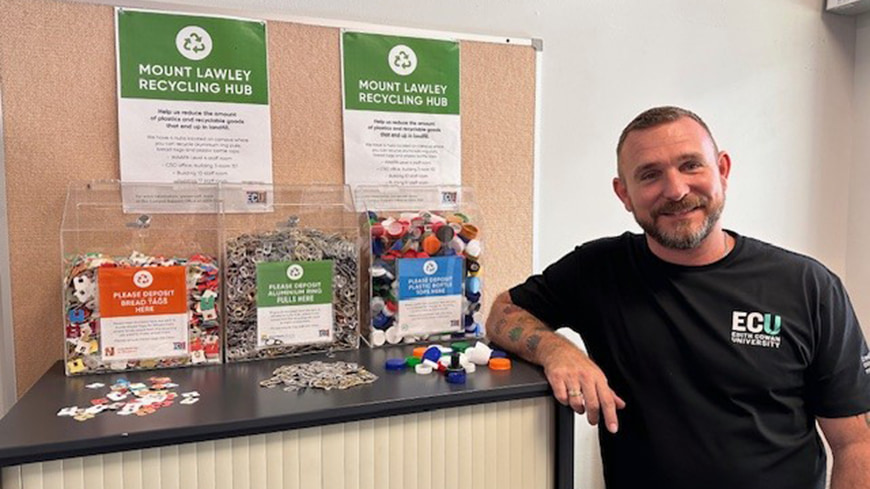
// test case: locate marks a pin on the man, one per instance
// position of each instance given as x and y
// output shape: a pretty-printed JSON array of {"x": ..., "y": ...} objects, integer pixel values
[{"x": 719, "y": 352}]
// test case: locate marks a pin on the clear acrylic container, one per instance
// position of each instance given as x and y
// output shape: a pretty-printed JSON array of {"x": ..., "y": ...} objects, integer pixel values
[
  {"x": 140, "y": 276},
  {"x": 424, "y": 274},
  {"x": 292, "y": 255}
]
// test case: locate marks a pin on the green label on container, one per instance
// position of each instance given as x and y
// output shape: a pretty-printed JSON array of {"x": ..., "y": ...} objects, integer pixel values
[
  {"x": 400, "y": 74},
  {"x": 294, "y": 283},
  {"x": 294, "y": 303},
  {"x": 182, "y": 57}
]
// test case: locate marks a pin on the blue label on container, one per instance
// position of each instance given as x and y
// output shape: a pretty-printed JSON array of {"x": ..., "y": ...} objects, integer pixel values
[{"x": 430, "y": 277}]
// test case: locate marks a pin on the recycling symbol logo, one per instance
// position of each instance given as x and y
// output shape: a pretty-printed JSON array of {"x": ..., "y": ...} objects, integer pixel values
[
  {"x": 193, "y": 42},
  {"x": 402, "y": 60}
]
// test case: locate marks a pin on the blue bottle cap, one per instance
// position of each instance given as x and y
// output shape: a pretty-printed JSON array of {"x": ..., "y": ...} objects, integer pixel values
[
  {"x": 472, "y": 297},
  {"x": 380, "y": 321},
  {"x": 498, "y": 354},
  {"x": 395, "y": 364},
  {"x": 469, "y": 320},
  {"x": 456, "y": 376},
  {"x": 377, "y": 247},
  {"x": 472, "y": 284},
  {"x": 432, "y": 353}
]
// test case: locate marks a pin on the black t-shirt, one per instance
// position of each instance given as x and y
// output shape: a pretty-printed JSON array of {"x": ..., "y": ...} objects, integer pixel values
[{"x": 723, "y": 367}]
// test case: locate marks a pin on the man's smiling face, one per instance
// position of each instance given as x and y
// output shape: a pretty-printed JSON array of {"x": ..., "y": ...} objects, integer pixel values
[{"x": 673, "y": 180}]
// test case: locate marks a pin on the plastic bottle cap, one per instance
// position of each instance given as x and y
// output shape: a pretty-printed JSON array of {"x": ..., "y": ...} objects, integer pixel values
[
  {"x": 419, "y": 351},
  {"x": 412, "y": 361},
  {"x": 473, "y": 248},
  {"x": 472, "y": 297},
  {"x": 456, "y": 376},
  {"x": 394, "y": 336},
  {"x": 377, "y": 305},
  {"x": 377, "y": 230},
  {"x": 431, "y": 244},
  {"x": 472, "y": 284},
  {"x": 479, "y": 356},
  {"x": 445, "y": 234},
  {"x": 500, "y": 364},
  {"x": 395, "y": 364},
  {"x": 378, "y": 337},
  {"x": 422, "y": 369},
  {"x": 470, "y": 368},
  {"x": 469, "y": 231},
  {"x": 497, "y": 354},
  {"x": 395, "y": 229},
  {"x": 435, "y": 365},
  {"x": 460, "y": 346},
  {"x": 433, "y": 353},
  {"x": 381, "y": 320}
]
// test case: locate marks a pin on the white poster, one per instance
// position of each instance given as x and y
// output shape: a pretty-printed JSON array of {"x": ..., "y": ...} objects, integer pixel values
[
  {"x": 401, "y": 111},
  {"x": 193, "y": 101}
]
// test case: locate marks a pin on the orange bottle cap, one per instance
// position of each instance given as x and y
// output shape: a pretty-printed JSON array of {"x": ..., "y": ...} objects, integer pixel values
[
  {"x": 500, "y": 364},
  {"x": 431, "y": 245},
  {"x": 419, "y": 351}
]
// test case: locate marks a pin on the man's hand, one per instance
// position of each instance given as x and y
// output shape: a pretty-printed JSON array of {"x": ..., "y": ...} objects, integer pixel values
[{"x": 576, "y": 380}]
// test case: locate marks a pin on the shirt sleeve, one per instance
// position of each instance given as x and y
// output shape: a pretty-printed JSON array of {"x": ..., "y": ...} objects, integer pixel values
[
  {"x": 550, "y": 295},
  {"x": 840, "y": 372}
]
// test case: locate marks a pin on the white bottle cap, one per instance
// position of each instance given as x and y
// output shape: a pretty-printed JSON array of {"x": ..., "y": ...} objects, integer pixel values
[
  {"x": 378, "y": 338},
  {"x": 394, "y": 336}
]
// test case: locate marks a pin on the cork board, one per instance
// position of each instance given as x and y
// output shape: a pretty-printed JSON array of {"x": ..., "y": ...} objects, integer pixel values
[{"x": 57, "y": 76}]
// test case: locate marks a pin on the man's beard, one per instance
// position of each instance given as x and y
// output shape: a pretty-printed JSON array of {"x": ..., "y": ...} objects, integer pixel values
[{"x": 683, "y": 237}]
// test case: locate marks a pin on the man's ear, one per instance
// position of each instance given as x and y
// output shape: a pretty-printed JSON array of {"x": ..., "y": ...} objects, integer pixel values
[
  {"x": 622, "y": 192},
  {"x": 723, "y": 162}
]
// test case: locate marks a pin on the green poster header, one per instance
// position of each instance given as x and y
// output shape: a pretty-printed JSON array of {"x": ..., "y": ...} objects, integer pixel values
[
  {"x": 294, "y": 283},
  {"x": 400, "y": 74},
  {"x": 182, "y": 57}
]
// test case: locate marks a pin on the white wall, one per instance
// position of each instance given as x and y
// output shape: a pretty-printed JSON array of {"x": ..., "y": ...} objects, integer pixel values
[
  {"x": 858, "y": 238},
  {"x": 773, "y": 78}
]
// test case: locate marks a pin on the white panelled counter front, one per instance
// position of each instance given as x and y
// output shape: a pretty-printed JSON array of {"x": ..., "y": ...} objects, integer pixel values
[{"x": 499, "y": 429}]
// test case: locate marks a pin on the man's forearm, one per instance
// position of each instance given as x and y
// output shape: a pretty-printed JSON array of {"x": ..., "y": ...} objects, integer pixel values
[
  {"x": 849, "y": 438},
  {"x": 851, "y": 467},
  {"x": 517, "y": 331}
]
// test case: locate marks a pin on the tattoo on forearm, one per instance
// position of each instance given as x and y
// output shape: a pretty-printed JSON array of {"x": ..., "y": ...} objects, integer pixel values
[
  {"x": 510, "y": 308},
  {"x": 515, "y": 334},
  {"x": 532, "y": 342},
  {"x": 499, "y": 326}
]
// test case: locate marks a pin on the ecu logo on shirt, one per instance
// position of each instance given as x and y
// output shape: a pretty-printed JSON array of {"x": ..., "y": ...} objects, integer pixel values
[{"x": 756, "y": 329}]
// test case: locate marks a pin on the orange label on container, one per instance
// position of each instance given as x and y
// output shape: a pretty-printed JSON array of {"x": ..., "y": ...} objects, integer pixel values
[{"x": 142, "y": 291}]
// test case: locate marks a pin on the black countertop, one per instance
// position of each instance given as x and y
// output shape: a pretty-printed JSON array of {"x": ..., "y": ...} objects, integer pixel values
[{"x": 233, "y": 404}]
